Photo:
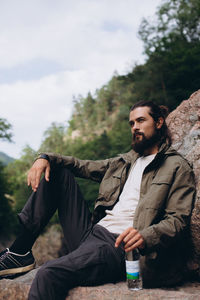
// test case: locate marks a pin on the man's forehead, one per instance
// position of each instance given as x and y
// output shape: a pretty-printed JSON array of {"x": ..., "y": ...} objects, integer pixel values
[{"x": 139, "y": 112}]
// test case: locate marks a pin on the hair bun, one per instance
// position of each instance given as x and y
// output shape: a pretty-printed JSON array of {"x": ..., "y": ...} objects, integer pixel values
[{"x": 164, "y": 110}]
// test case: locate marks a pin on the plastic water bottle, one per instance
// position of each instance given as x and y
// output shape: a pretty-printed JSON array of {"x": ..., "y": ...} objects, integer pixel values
[{"x": 134, "y": 280}]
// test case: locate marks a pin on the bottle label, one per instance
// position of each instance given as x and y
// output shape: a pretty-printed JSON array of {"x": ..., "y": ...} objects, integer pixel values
[{"x": 132, "y": 269}]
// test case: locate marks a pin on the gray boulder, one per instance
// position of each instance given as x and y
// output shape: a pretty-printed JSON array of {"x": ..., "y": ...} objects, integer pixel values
[{"x": 184, "y": 124}]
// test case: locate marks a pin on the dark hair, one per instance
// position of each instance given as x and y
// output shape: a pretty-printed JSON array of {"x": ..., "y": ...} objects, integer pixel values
[{"x": 156, "y": 112}]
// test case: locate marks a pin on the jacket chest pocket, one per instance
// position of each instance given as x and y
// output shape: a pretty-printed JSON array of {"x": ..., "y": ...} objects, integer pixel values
[
  {"x": 110, "y": 185},
  {"x": 158, "y": 192}
]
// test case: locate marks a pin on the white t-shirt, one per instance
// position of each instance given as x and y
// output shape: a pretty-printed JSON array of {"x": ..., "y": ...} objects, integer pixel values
[{"x": 121, "y": 216}]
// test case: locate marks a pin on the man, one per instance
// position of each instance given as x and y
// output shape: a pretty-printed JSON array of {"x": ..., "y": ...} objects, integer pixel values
[{"x": 145, "y": 202}]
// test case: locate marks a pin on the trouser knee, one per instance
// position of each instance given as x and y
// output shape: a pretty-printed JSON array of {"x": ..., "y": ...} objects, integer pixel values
[
  {"x": 39, "y": 285},
  {"x": 42, "y": 273},
  {"x": 43, "y": 286},
  {"x": 63, "y": 175}
]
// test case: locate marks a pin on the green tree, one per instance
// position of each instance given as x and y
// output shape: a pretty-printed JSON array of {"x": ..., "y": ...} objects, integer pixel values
[
  {"x": 175, "y": 19},
  {"x": 17, "y": 174},
  {"x": 5, "y": 127},
  {"x": 7, "y": 219},
  {"x": 6, "y": 214},
  {"x": 172, "y": 45},
  {"x": 54, "y": 139}
]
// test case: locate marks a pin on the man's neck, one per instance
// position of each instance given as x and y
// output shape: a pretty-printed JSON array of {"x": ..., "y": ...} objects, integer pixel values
[{"x": 150, "y": 151}]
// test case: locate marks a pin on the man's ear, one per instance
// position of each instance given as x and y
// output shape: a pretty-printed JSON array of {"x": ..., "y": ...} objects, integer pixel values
[{"x": 159, "y": 123}]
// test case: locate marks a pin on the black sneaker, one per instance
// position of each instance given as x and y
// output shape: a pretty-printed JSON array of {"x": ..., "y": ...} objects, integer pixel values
[{"x": 12, "y": 263}]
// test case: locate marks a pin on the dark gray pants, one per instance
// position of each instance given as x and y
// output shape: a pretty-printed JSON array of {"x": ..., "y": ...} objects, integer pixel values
[{"x": 92, "y": 258}]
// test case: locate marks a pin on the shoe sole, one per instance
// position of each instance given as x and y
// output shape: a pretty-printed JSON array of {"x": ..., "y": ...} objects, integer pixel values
[{"x": 17, "y": 270}]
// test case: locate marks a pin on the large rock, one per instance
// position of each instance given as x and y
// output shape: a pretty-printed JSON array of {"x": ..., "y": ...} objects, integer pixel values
[
  {"x": 184, "y": 124},
  {"x": 18, "y": 290},
  {"x": 47, "y": 246}
]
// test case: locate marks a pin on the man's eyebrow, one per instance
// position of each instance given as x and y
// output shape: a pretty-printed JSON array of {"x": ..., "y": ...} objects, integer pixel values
[
  {"x": 137, "y": 119},
  {"x": 141, "y": 118}
]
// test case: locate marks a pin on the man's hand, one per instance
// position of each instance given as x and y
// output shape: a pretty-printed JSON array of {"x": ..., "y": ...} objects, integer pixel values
[
  {"x": 132, "y": 239},
  {"x": 40, "y": 166}
]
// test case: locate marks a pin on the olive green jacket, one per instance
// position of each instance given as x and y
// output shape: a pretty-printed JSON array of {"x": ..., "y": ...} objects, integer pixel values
[{"x": 166, "y": 196}]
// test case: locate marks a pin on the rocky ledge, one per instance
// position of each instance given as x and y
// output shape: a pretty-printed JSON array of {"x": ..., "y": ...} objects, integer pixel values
[{"x": 18, "y": 288}]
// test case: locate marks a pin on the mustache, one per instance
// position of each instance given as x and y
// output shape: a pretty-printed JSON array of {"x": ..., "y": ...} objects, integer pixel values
[{"x": 137, "y": 133}]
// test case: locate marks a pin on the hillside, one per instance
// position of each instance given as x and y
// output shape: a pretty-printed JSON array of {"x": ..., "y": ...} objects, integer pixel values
[{"x": 5, "y": 159}]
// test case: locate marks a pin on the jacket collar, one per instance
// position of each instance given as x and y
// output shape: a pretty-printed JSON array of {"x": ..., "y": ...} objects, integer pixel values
[{"x": 165, "y": 149}]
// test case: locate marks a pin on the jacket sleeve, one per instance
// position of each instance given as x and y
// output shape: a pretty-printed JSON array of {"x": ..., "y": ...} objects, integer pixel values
[
  {"x": 176, "y": 215},
  {"x": 89, "y": 169}
]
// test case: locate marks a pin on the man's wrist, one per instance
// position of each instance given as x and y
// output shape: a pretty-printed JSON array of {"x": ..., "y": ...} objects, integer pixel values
[{"x": 44, "y": 156}]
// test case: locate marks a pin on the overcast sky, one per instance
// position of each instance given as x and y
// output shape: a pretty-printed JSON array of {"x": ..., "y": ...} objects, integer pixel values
[{"x": 53, "y": 50}]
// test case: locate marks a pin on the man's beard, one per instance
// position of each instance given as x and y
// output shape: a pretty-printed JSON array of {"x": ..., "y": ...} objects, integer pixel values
[{"x": 140, "y": 146}]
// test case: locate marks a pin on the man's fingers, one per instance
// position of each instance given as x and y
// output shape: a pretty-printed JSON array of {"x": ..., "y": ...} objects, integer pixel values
[
  {"x": 138, "y": 244},
  {"x": 121, "y": 237},
  {"x": 30, "y": 178},
  {"x": 35, "y": 173},
  {"x": 132, "y": 234},
  {"x": 133, "y": 241},
  {"x": 47, "y": 173},
  {"x": 37, "y": 179},
  {"x": 131, "y": 238}
]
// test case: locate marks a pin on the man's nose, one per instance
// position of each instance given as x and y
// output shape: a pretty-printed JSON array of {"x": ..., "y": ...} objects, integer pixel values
[{"x": 135, "y": 127}]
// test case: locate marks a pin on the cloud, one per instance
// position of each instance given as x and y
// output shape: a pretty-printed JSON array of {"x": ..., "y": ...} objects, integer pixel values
[
  {"x": 32, "y": 106},
  {"x": 52, "y": 50},
  {"x": 67, "y": 31}
]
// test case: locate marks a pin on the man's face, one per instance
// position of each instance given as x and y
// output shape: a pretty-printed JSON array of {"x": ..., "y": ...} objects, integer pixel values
[{"x": 144, "y": 131}]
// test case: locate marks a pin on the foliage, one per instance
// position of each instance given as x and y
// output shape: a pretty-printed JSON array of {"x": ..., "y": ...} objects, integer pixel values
[
  {"x": 17, "y": 173},
  {"x": 5, "y": 128},
  {"x": 5, "y": 159},
  {"x": 94, "y": 114},
  {"x": 172, "y": 46},
  {"x": 7, "y": 220},
  {"x": 176, "y": 19},
  {"x": 53, "y": 139},
  {"x": 6, "y": 214}
]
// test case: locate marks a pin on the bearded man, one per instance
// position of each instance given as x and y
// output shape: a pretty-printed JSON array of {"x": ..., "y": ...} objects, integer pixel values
[{"x": 145, "y": 202}]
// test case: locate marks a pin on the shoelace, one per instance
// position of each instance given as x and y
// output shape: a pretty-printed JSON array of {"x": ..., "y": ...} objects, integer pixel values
[{"x": 4, "y": 255}]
